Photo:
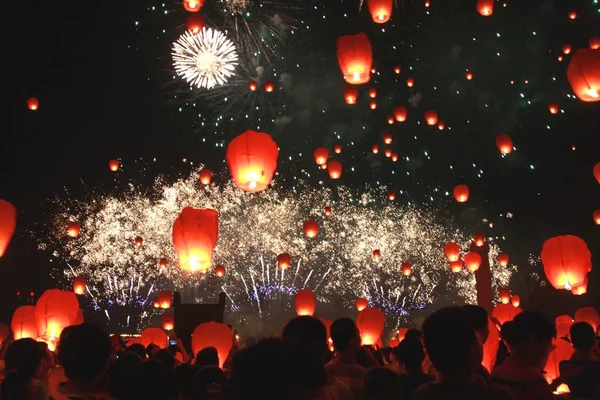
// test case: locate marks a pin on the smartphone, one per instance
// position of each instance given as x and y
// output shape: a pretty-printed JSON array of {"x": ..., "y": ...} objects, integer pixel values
[{"x": 173, "y": 342}]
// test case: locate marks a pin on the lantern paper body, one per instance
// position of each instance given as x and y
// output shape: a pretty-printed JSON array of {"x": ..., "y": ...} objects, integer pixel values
[
  {"x": 406, "y": 269},
  {"x": 73, "y": 229},
  {"x": 596, "y": 217},
  {"x": 321, "y": 155},
  {"x": 563, "y": 352},
  {"x": 252, "y": 160},
  {"x": 479, "y": 239},
  {"x": 79, "y": 285},
  {"x": 381, "y": 10},
  {"x": 563, "y": 330},
  {"x": 305, "y": 302},
  {"x": 594, "y": 43},
  {"x": 205, "y": 176},
  {"x": 361, "y": 303},
  {"x": 350, "y": 94},
  {"x": 23, "y": 324},
  {"x": 334, "y": 168},
  {"x": 311, "y": 228},
  {"x": 580, "y": 289},
  {"x": 505, "y": 312},
  {"x": 504, "y": 294},
  {"x": 589, "y": 315},
  {"x": 400, "y": 113},
  {"x": 355, "y": 58},
  {"x": 213, "y": 334},
  {"x": 155, "y": 336},
  {"x": 195, "y": 234},
  {"x": 8, "y": 223},
  {"x": 584, "y": 74},
  {"x": 387, "y": 138},
  {"x": 195, "y": 22},
  {"x": 54, "y": 311},
  {"x": 284, "y": 260},
  {"x": 515, "y": 300},
  {"x": 461, "y": 193},
  {"x": 394, "y": 342},
  {"x": 33, "y": 104},
  {"x": 456, "y": 266},
  {"x": 490, "y": 347},
  {"x": 563, "y": 319},
  {"x": 485, "y": 8},
  {"x": 596, "y": 172},
  {"x": 113, "y": 165},
  {"x": 165, "y": 298},
  {"x": 162, "y": 263},
  {"x": 431, "y": 117},
  {"x": 504, "y": 143},
  {"x": 503, "y": 259},
  {"x": 370, "y": 324},
  {"x": 566, "y": 260},
  {"x": 167, "y": 321},
  {"x": 452, "y": 251},
  {"x": 269, "y": 86},
  {"x": 337, "y": 148},
  {"x": 472, "y": 261},
  {"x": 80, "y": 318},
  {"x": 376, "y": 255},
  {"x": 220, "y": 271},
  {"x": 193, "y": 5}
]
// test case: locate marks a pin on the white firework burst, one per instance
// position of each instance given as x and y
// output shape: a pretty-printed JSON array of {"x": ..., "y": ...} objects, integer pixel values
[{"x": 205, "y": 59}]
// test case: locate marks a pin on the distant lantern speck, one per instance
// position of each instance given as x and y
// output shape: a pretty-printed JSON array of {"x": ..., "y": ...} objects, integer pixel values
[{"x": 461, "y": 193}]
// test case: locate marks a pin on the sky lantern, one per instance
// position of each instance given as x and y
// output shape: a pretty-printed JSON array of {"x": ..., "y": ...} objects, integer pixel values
[
  {"x": 361, "y": 303},
  {"x": 252, "y": 160},
  {"x": 79, "y": 285},
  {"x": 589, "y": 315},
  {"x": 394, "y": 342},
  {"x": 397, "y": 69},
  {"x": 372, "y": 93},
  {"x": 479, "y": 239},
  {"x": 390, "y": 120},
  {"x": 388, "y": 152},
  {"x": 165, "y": 299},
  {"x": 373, "y": 105},
  {"x": 73, "y": 229},
  {"x": 23, "y": 324},
  {"x": 387, "y": 138},
  {"x": 284, "y": 260},
  {"x": 327, "y": 211},
  {"x": 441, "y": 125},
  {"x": 566, "y": 260},
  {"x": 370, "y": 323},
  {"x": 406, "y": 268},
  {"x": 375, "y": 149},
  {"x": 485, "y": 7},
  {"x": 431, "y": 117},
  {"x": 350, "y": 94},
  {"x": 54, "y": 311},
  {"x": 562, "y": 319},
  {"x": 8, "y": 223},
  {"x": 567, "y": 48},
  {"x": 461, "y": 193},
  {"x": 113, "y": 165},
  {"x": 553, "y": 108},
  {"x": 162, "y": 263},
  {"x": 139, "y": 241},
  {"x": 515, "y": 300},
  {"x": 400, "y": 113},
  {"x": 220, "y": 271},
  {"x": 335, "y": 169},
  {"x": 572, "y": 14},
  {"x": 504, "y": 294},
  {"x": 504, "y": 143},
  {"x": 252, "y": 85},
  {"x": 394, "y": 157},
  {"x": 195, "y": 233},
  {"x": 472, "y": 261},
  {"x": 583, "y": 74},
  {"x": 391, "y": 196},
  {"x": 156, "y": 336},
  {"x": 505, "y": 312},
  {"x": 376, "y": 255},
  {"x": 33, "y": 104},
  {"x": 469, "y": 75},
  {"x": 305, "y": 302},
  {"x": 456, "y": 266},
  {"x": 452, "y": 251},
  {"x": 321, "y": 155},
  {"x": 195, "y": 22},
  {"x": 355, "y": 58},
  {"x": 597, "y": 172},
  {"x": 503, "y": 259},
  {"x": 596, "y": 216},
  {"x": 337, "y": 148},
  {"x": 168, "y": 321},
  {"x": 269, "y": 86},
  {"x": 213, "y": 334},
  {"x": 311, "y": 228},
  {"x": 193, "y": 5},
  {"x": 381, "y": 10},
  {"x": 563, "y": 329},
  {"x": 410, "y": 82},
  {"x": 563, "y": 351},
  {"x": 581, "y": 288},
  {"x": 594, "y": 43},
  {"x": 205, "y": 176}
]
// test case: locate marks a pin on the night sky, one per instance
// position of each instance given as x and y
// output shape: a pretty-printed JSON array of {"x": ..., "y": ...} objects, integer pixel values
[{"x": 104, "y": 77}]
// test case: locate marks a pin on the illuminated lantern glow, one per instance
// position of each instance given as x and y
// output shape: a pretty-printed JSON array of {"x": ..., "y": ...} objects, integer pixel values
[
  {"x": 376, "y": 255},
  {"x": 566, "y": 48},
  {"x": 113, "y": 165},
  {"x": 397, "y": 69},
  {"x": 205, "y": 176},
  {"x": 334, "y": 168},
  {"x": 23, "y": 324},
  {"x": 321, "y": 155},
  {"x": 452, "y": 251},
  {"x": 394, "y": 157},
  {"x": 394, "y": 342},
  {"x": 388, "y": 153},
  {"x": 390, "y": 120},
  {"x": 400, "y": 113},
  {"x": 381, "y": 10},
  {"x": 406, "y": 269},
  {"x": 162, "y": 263},
  {"x": 485, "y": 7},
  {"x": 165, "y": 299},
  {"x": 472, "y": 261},
  {"x": 387, "y": 138},
  {"x": 441, "y": 125},
  {"x": 33, "y": 104},
  {"x": 156, "y": 336},
  {"x": 350, "y": 94},
  {"x": 456, "y": 266},
  {"x": 504, "y": 144},
  {"x": 594, "y": 43},
  {"x": 195, "y": 23},
  {"x": 305, "y": 302},
  {"x": 563, "y": 329},
  {"x": 515, "y": 300},
  {"x": 269, "y": 86},
  {"x": 504, "y": 294},
  {"x": 391, "y": 196},
  {"x": 328, "y": 211},
  {"x": 566, "y": 260},
  {"x": 195, "y": 233},
  {"x": 284, "y": 260},
  {"x": 581, "y": 288},
  {"x": 431, "y": 117},
  {"x": 427, "y": 3},
  {"x": 361, "y": 303},
  {"x": 596, "y": 216},
  {"x": 596, "y": 172},
  {"x": 373, "y": 105},
  {"x": 372, "y": 93},
  {"x": 469, "y": 75},
  {"x": 402, "y": 334},
  {"x": 572, "y": 14},
  {"x": 553, "y": 108},
  {"x": 252, "y": 86},
  {"x": 156, "y": 304},
  {"x": 410, "y": 82},
  {"x": 503, "y": 259},
  {"x": 213, "y": 334},
  {"x": 563, "y": 319},
  {"x": 8, "y": 223},
  {"x": 193, "y": 5},
  {"x": 583, "y": 74},
  {"x": 355, "y": 58},
  {"x": 560, "y": 58},
  {"x": 79, "y": 285},
  {"x": 479, "y": 239},
  {"x": 589, "y": 315},
  {"x": 505, "y": 312},
  {"x": 563, "y": 351},
  {"x": 461, "y": 193},
  {"x": 337, "y": 148},
  {"x": 139, "y": 241},
  {"x": 311, "y": 228},
  {"x": 168, "y": 321},
  {"x": 375, "y": 149},
  {"x": 54, "y": 311},
  {"x": 370, "y": 323},
  {"x": 73, "y": 229},
  {"x": 220, "y": 271},
  {"x": 373, "y": 70},
  {"x": 252, "y": 160}
]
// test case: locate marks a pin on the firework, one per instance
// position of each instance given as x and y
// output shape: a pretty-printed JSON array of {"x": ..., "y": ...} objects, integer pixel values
[{"x": 206, "y": 59}]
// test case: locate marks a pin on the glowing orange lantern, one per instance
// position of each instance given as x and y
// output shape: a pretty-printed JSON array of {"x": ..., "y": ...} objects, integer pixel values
[
  {"x": 213, "y": 334},
  {"x": 305, "y": 302},
  {"x": 252, "y": 86},
  {"x": 515, "y": 300},
  {"x": 167, "y": 321},
  {"x": 566, "y": 260},
  {"x": 337, "y": 148},
  {"x": 193, "y": 5},
  {"x": 79, "y": 285},
  {"x": 597, "y": 172},
  {"x": 350, "y": 94},
  {"x": 139, "y": 241},
  {"x": 589, "y": 315},
  {"x": 394, "y": 157},
  {"x": 373, "y": 105},
  {"x": 156, "y": 336},
  {"x": 553, "y": 107},
  {"x": 594, "y": 43},
  {"x": 252, "y": 160},
  {"x": 452, "y": 251},
  {"x": 162, "y": 263},
  {"x": 195, "y": 22},
  {"x": 33, "y": 104},
  {"x": 370, "y": 323},
  {"x": 503, "y": 259},
  {"x": 321, "y": 155},
  {"x": 402, "y": 334},
  {"x": 220, "y": 271},
  {"x": 485, "y": 7},
  {"x": 381, "y": 10},
  {"x": 54, "y": 311},
  {"x": 479, "y": 239},
  {"x": 563, "y": 329},
  {"x": 400, "y": 113},
  {"x": 456, "y": 266},
  {"x": 394, "y": 342},
  {"x": 472, "y": 261},
  {"x": 195, "y": 233},
  {"x": 505, "y": 312},
  {"x": 406, "y": 268},
  {"x": 375, "y": 149},
  {"x": 387, "y": 138},
  {"x": 335, "y": 169},
  {"x": 311, "y": 228},
  {"x": 284, "y": 260},
  {"x": 410, "y": 82},
  {"x": 328, "y": 211},
  {"x": 581, "y": 288},
  {"x": 441, "y": 125},
  {"x": 572, "y": 14},
  {"x": 390, "y": 119},
  {"x": 391, "y": 196},
  {"x": 388, "y": 153},
  {"x": 397, "y": 69},
  {"x": 504, "y": 143},
  {"x": 566, "y": 48},
  {"x": 73, "y": 229},
  {"x": 372, "y": 93},
  {"x": 355, "y": 58},
  {"x": 596, "y": 217},
  {"x": 269, "y": 86},
  {"x": 165, "y": 299},
  {"x": 156, "y": 304},
  {"x": 431, "y": 117},
  {"x": 583, "y": 74},
  {"x": 205, "y": 176},
  {"x": 504, "y": 294},
  {"x": 469, "y": 75},
  {"x": 563, "y": 351},
  {"x": 113, "y": 165},
  {"x": 361, "y": 303},
  {"x": 461, "y": 193},
  {"x": 23, "y": 323},
  {"x": 8, "y": 223},
  {"x": 376, "y": 255}
]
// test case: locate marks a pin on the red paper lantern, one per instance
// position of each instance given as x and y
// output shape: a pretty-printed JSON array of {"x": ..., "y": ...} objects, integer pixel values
[
  {"x": 485, "y": 7},
  {"x": 567, "y": 48},
  {"x": 596, "y": 172},
  {"x": 504, "y": 143},
  {"x": 461, "y": 193},
  {"x": 372, "y": 93},
  {"x": 554, "y": 108},
  {"x": 8, "y": 223},
  {"x": 361, "y": 303},
  {"x": 355, "y": 58},
  {"x": 515, "y": 300},
  {"x": 505, "y": 312},
  {"x": 269, "y": 86},
  {"x": 376, "y": 255},
  {"x": 406, "y": 268},
  {"x": 252, "y": 160},
  {"x": 73, "y": 229},
  {"x": 193, "y": 5},
  {"x": 566, "y": 260},
  {"x": 284, "y": 260},
  {"x": 79, "y": 285},
  {"x": 394, "y": 342},
  {"x": 220, "y": 271},
  {"x": 589, "y": 315},
  {"x": 350, "y": 94},
  {"x": 583, "y": 74},
  {"x": 23, "y": 323},
  {"x": 252, "y": 85},
  {"x": 563, "y": 351},
  {"x": 373, "y": 105},
  {"x": 431, "y": 117},
  {"x": 410, "y": 82},
  {"x": 504, "y": 294},
  {"x": 164, "y": 299},
  {"x": 375, "y": 149},
  {"x": 156, "y": 336},
  {"x": 162, "y": 263},
  {"x": 397, "y": 69},
  {"x": 33, "y": 104},
  {"x": 441, "y": 125},
  {"x": 195, "y": 234},
  {"x": 594, "y": 43},
  {"x": 387, "y": 138},
  {"x": 479, "y": 239},
  {"x": 456, "y": 266},
  {"x": 390, "y": 120},
  {"x": 381, "y": 10},
  {"x": 311, "y": 228},
  {"x": 328, "y": 211},
  {"x": 596, "y": 216},
  {"x": 213, "y": 334},
  {"x": 400, "y": 113},
  {"x": 139, "y": 241},
  {"x": 370, "y": 324},
  {"x": 394, "y": 157},
  {"x": 337, "y": 148},
  {"x": 490, "y": 347},
  {"x": 581, "y": 288},
  {"x": 452, "y": 251},
  {"x": 321, "y": 155},
  {"x": 305, "y": 302},
  {"x": 168, "y": 321},
  {"x": 205, "y": 176},
  {"x": 469, "y": 75},
  {"x": 572, "y": 14},
  {"x": 391, "y": 196},
  {"x": 388, "y": 153},
  {"x": 113, "y": 165},
  {"x": 195, "y": 22},
  {"x": 402, "y": 334},
  {"x": 503, "y": 259},
  {"x": 54, "y": 311},
  {"x": 472, "y": 261},
  {"x": 335, "y": 169}
]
